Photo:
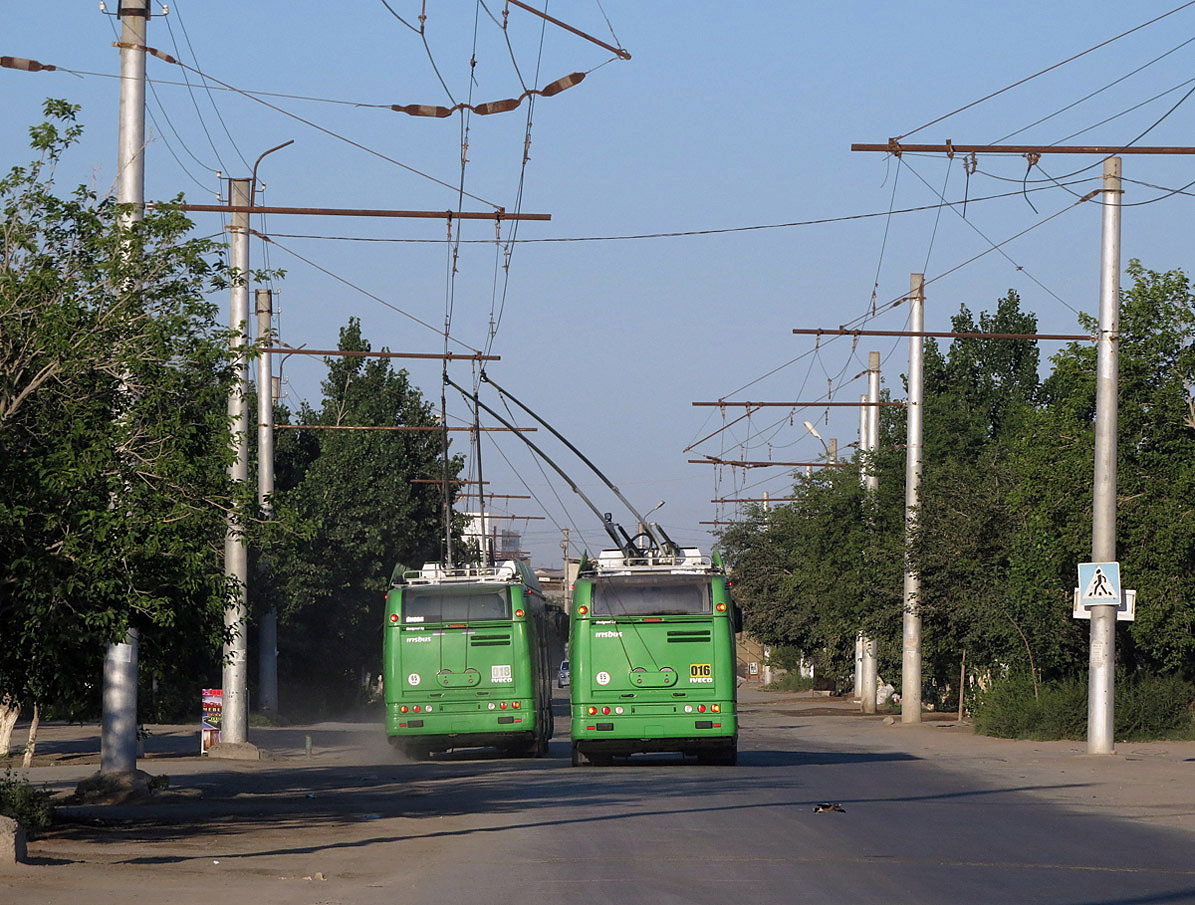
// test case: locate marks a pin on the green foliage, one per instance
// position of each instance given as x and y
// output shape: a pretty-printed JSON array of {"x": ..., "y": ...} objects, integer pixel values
[
  {"x": 1147, "y": 707},
  {"x": 27, "y": 805},
  {"x": 1152, "y": 707},
  {"x": 791, "y": 681},
  {"x": 113, "y": 433},
  {"x": 1004, "y": 512},
  {"x": 350, "y": 513}
]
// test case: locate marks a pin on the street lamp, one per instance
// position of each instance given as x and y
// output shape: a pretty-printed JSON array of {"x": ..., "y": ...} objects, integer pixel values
[{"x": 831, "y": 449}]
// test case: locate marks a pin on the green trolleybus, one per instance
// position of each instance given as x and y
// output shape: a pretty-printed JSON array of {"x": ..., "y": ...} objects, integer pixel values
[
  {"x": 465, "y": 660},
  {"x": 652, "y": 657}
]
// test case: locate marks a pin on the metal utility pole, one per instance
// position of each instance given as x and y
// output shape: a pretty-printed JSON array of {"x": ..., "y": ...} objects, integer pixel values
[
  {"x": 910, "y": 682},
  {"x": 1101, "y": 666},
  {"x": 267, "y": 654},
  {"x": 118, "y": 733},
  {"x": 871, "y": 483},
  {"x": 234, "y": 728}
]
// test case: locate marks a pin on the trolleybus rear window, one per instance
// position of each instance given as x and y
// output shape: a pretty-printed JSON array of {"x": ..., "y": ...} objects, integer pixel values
[
  {"x": 659, "y": 595},
  {"x": 440, "y": 604}
]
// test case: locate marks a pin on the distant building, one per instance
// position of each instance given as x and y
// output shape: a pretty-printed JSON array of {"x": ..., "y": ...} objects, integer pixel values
[{"x": 499, "y": 543}]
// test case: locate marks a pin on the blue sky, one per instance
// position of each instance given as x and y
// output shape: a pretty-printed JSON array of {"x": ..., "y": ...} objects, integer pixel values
[{"x": 724, "y": 117}]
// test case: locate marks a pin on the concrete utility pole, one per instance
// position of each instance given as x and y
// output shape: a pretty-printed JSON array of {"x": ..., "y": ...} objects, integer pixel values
[
  {"x": 872, "y": 483},
  {"x": 910, "y": 681},
  {"x": 267, "y": 655},
  {"x": 234, "y": 728},
  {"x": 1101, "y": 667},
  {"x": 858, "y": 696},
  {"x": 118, "y": 733}
]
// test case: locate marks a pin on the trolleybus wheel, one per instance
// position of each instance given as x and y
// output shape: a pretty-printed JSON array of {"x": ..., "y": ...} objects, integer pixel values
[{"x": 579, "y": 757}]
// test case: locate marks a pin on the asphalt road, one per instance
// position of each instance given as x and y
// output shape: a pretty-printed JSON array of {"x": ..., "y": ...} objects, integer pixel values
[{"x": 929, "y": 815}]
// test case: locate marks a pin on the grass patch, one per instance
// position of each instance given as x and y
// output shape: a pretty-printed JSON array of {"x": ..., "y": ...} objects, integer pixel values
[{"x": 1146, "y": 708}]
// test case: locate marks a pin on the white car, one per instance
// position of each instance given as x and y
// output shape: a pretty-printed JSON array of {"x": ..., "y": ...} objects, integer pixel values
[{"x": 562, "y": 676}]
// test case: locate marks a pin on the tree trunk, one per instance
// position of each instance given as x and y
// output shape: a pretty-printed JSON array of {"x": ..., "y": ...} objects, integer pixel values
[
  {"x": 31, "y": 745},
  {"x": 10, "y": 709}
]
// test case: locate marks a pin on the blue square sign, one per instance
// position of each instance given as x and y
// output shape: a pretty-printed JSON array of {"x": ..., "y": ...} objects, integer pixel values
[{"x": 1099, "y": 583}]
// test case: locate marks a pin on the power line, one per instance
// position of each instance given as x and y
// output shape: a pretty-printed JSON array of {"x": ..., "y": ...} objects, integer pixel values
[
  {"x": 1044, "y": 71},
  {"x": 165, "y": 57},
  {"x": 683, "y": 233}
]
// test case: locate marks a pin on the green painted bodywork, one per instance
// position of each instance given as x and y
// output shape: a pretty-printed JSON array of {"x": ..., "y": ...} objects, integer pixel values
[
  {"x": 487, "y": 682},
  {"x": 653, "y": 668}
]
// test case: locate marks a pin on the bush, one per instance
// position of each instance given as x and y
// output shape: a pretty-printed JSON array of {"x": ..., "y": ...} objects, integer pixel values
[
  {"x": 1147, "y": 707},
  {"x": 791, "y": 681},
  {"x": 26, "y": 805},
  {"x": 1153, "y": 707}
]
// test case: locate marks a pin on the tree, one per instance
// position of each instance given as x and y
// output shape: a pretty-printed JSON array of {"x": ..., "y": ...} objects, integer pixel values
[
  {"x": 113, "y": 434},
  {"x": 1005, "y": 507},
  {"x": 1155, "y": 473},
  {"x": 358, "y": 514}
]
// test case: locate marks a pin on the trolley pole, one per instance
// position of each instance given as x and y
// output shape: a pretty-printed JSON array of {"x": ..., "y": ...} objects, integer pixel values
[
  {"x": 234, "y": 728},
  {"x": 910, "y": 682},
  {"x": 267, "y": 654},
  {"x": 871, "y": 483},
  {"x": 1101, "y": 666},
  {"x": 118, "y": 732}
]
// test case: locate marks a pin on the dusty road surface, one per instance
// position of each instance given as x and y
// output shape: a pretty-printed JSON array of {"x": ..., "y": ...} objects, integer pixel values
[{"x": 929, "y": 814}]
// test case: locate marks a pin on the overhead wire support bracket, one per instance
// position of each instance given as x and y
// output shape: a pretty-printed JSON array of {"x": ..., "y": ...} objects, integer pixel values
[
  {"x": 945, "y": 334},
  {"x": 620, "y": 52},
  {"x": 499, "y": 214},
  {"x": 736, "y": 463},
  {"x": 818, "y": 405},
  {"x": 342, "y": 353},
  {"x": 896, "y": 148},
  {"x": 395, "y": 427}
]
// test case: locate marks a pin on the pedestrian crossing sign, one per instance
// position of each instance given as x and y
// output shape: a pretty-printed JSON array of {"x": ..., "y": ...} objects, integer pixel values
[{"x": 1099, "y": 583}]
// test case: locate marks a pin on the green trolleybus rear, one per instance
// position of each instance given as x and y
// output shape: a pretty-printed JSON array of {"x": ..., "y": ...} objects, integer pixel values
[
  {"x": 652, "y": 657},
  {"x": 465, "y": 660}
]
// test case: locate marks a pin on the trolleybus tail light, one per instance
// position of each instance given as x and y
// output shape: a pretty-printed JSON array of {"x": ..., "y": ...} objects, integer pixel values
[
  {"x": 582, "y": 609},
  {"x": 519, "y": 614},
  {"x": 618, "y": 710},
  {"x": 605, "y": 711},
  {"x": 688, "y": 708},
  {"x": 591, "y": 711},
  {"x": 701, "y": 708},
  {"x": 515, "y": 704},
  {"x": 721, "y": 608},
  {"x": 716, "y": 708},
  {"x": 394, "y": 617},
  {"x": 502, "y": 706},
  {"x": 402, "y": 709}
]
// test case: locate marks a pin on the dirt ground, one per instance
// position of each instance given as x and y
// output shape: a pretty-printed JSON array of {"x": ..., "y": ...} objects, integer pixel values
[{"x": 262, "y": 816}]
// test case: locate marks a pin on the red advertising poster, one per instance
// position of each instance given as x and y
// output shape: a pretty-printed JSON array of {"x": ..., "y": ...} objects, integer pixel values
[{"x": 210, "y": 726}]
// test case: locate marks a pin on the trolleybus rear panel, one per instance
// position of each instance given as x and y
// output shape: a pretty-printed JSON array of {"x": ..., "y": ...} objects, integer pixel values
[
  {"x": 652, "y": 657},
  {"x": 466, "y": 660}
]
